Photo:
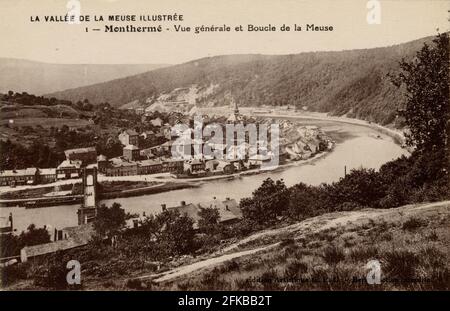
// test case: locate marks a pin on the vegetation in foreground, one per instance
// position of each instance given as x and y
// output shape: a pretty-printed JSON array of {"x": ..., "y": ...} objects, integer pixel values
[{"x": 411, "y": 246}]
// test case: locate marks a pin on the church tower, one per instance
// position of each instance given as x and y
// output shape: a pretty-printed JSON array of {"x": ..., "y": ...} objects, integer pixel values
[{"x": 235, "y": 117}]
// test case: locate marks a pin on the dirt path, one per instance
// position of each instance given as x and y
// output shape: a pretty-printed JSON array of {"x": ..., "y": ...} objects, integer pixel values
[{"x": 312, "y": 225}]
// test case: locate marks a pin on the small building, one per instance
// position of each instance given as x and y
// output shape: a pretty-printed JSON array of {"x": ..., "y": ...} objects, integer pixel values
[
  {"x": 27, "y": 176},
  {"x": 147, "y": 134},
  {"x": 173, "y": 166},
  {"x": 259, "y": 160},
  {"x": 46, "y": 175},
  {"x": 228, "y": 210},
  {"x": 131, "y": 153},
  {"x": 147, "y": 153},
  {"x": 69, "y": 169},
  {"x": 220, "y": 166},
  {"x": 121, "y": 167},
  {"x": 193, "y": 166},
  {"x": 150, "y": 167},
  {"x": 73, "y": 237},
  {"x": 129, "y": 137},
  {"x": 102, "y": 163},
  {"x": 85, "y": 155}
]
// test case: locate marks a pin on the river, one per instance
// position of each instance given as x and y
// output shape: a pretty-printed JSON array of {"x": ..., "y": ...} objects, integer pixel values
[{"x": 356, "y": 146}]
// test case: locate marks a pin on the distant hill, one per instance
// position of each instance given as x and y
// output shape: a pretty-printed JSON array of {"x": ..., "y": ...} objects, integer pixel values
[
  {"x": 353, "y": 82},
  {"x": 40, "y": 78}
]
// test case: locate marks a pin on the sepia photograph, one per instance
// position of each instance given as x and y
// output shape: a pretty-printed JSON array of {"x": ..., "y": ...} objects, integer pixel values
[{"x": 228, "y": 146}]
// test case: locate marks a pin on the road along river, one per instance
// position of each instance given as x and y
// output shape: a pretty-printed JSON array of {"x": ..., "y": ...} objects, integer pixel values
[{"x": 356, "y": 146}]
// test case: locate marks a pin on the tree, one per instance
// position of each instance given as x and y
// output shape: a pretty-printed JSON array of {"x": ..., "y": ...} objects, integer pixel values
[
  {"x": 361, "y": 186},
  {"x": 172, "y": 232},
  {"x": 177, "y": 232},
  {"x": 209, "y": 220},
  {"x": 268, "y": 201},
  {"x": 34, "y": 236},
  {"x": 109, "y": 220},
  {"x": 304, "y": 201},
  {"x": 425, "y": 80}
]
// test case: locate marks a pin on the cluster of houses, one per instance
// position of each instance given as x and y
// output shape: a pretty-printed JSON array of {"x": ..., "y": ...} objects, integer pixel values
[
  {"x": 296, "y": 143},
  {"x": 71, "y": 167}
]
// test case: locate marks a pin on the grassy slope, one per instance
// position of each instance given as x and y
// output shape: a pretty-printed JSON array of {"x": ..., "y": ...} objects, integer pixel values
[{"x": 411, "y": 242}]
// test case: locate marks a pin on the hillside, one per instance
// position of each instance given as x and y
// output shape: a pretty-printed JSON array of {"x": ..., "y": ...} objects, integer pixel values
[
  {"x": 411, "y": 243},
  {"x": 347, "y": 82},
  {"x": 40, "y": 78}
]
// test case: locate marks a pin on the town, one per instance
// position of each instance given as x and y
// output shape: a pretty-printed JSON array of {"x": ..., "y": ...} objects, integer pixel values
[{"x": 296, "y": 143}]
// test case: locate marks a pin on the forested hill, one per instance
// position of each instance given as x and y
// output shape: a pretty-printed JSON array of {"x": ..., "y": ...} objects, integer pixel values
[{"x": 348, "y": 82}]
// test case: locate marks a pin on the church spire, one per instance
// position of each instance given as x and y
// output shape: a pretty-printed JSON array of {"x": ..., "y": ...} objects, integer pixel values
[{"x": 236, "y": 108}]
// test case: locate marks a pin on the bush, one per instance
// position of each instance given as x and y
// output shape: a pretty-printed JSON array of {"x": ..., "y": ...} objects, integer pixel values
[
  {"x": 414, "y": 223},
  {"x": 295, "y": 268},
  {"x": 333, "y": 255},
  {"x": 135, "y": 284},
  {"x": 13, "y": 273},
  {"x": 401, "y": 264}
]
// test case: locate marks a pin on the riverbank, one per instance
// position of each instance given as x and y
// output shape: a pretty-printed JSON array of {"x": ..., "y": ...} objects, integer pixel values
[
  {"x": 111, "y": 190},
  {"x": 159, "y": 188},
  {"x": 395, "y": 134}
]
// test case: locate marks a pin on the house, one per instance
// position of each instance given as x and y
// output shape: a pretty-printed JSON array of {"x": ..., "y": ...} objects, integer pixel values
[
  {"x": 259, "y": 160},
  {"x": 193, "y": 166},
  {"x": 129, "y": 137},
  {"x": 147, "y": 134},
  {"x": 173, "y": 165},
  {"x": 102, "y": 163},
  {"x": 73, "y": 237},
  {"x": 46, "y": 175},
  {"x": 228, "y": 210},
  {"x": 220, "y": 166},
  {"x": 69, "y": 169},
  {"x": 85, "y": 155},
  {"x": 131, "y": 153},
  {"x": 27, "y": 176},
  {"x": 191, "y": 210},
  {"x": 121, "y": 167},
  {"x": 150, "y": 167},
  {"x": 147, "y": 153}
]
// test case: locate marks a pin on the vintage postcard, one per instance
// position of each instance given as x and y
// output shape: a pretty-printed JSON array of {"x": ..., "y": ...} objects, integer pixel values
[{"x": 239, "y": 145}]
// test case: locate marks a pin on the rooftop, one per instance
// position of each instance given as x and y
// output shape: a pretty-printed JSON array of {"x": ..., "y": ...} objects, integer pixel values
[
  {"x": 131, "y": 147},
  {"x": 70, "y": 164},
  {"x": 23, "y": 172},
  {"x": 80, "y": 150},
  {"x": 130, "y": 132}
]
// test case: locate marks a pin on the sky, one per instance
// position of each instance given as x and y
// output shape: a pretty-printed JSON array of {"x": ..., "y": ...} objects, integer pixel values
[{"x": 400, "y": 21}]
